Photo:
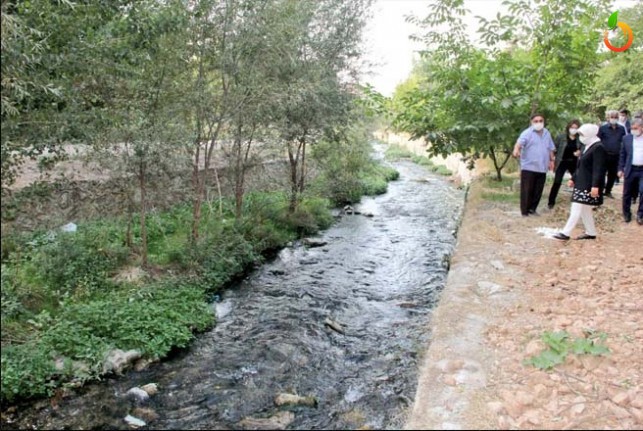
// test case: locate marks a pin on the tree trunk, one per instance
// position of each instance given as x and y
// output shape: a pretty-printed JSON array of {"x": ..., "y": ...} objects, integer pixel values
[
  {"x": 128, "y": 234},
  {"x": 302, "y": 178},
  {"x": 294, "y": 164},
  {"x": 198, "y": 192},
  {"x": 216, "y": 178},
  {"x": 238, "y": 181},
  {"x": 142, "y": 185},
  {"x": 498, "y": 167}
]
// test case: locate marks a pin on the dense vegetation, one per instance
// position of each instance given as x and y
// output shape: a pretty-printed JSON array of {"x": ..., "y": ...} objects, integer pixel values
[
  {"x": 153, "y": 92},
  {"x": 544, "y": 56}
]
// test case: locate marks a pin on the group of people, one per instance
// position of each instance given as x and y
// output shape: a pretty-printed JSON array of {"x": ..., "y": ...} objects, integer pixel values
[{"x": 595, "y": 157}]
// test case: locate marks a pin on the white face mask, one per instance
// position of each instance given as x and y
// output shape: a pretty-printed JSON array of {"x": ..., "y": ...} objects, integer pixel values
[
  {"x": 613, "y": 121},
  {"x": 573, "y": 131},
  {"x": 622, "y": 120},
  {"x": 637, "y": 133},
  {"x": 537, "y": 126},
  {"x": 584, "y": 139}
]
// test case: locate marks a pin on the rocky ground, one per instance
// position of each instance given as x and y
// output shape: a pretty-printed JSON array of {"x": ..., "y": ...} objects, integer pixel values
[{"x": 509, "y": 284}]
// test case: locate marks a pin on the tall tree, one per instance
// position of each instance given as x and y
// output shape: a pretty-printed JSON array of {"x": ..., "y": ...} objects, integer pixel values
[{"x": 475, "y": 100}]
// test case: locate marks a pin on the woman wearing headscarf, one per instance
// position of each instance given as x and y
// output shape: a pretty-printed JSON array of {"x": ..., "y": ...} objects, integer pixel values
[
  {"x": 567, "y": 152},
  {"x": 588, "y": 183}
]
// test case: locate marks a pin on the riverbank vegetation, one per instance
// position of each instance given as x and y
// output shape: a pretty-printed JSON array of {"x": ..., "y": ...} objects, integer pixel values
[
  {"x": 395, "y": 152},
  {"x": 221, "y": 130}
]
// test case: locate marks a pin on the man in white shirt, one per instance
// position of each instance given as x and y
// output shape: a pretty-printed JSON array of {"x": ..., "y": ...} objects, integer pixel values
[{"x": 630, "y": 168}]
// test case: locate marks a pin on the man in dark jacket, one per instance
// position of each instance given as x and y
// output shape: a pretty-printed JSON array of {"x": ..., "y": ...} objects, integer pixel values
[
  {"x": 630, "y": 168},
  {"x": 611, "y": 135}
]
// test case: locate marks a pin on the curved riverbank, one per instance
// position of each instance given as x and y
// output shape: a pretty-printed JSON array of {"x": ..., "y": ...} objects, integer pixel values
[{"x": 508, "y": 286}]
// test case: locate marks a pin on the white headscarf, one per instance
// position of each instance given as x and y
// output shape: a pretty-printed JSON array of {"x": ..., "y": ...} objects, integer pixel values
[{"x": 588, "y": 135}]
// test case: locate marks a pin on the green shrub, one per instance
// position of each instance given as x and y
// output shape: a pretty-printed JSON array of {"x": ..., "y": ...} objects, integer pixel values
[
  {"x": 152, "y": 319},
  {"x": 218, "y": 258},
  {"x": 27, "y": 371},
  {"x": 374, "y": 185},
  {"x": 11, "y": 303},
  {"x": 76, "y": 264},
  {"x": 319, "y": 209}
]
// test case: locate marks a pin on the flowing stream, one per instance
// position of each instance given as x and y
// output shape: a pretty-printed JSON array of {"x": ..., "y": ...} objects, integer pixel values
[{"x": 345, "y": 323}]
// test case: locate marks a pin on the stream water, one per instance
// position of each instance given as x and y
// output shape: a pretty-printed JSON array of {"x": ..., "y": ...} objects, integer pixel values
[{"x": 376, "y": 278}]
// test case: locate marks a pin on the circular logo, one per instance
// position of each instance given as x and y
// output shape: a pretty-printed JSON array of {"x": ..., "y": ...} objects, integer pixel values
[{"x": 627, "y": 31}]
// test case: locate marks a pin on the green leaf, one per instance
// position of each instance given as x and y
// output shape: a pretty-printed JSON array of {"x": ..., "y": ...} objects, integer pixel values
[
  {"x": 612, "y": 21},
  {"x": 547, "y": 359},
  {"x": 581, "y": 346},
  {"x": 598, "y": 349}
]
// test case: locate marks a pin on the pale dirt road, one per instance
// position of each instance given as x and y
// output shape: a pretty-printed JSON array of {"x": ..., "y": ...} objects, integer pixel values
[{"x": 508, "y": 284}]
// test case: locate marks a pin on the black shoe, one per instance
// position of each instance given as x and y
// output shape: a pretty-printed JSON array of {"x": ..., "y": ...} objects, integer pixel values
[
  {"x": 534, "y": 213},
  {"x": 585, "y": 236},
  {"x": 639, "y": 220},
  {"x": 609, "y": 195},
  {"x": 627, "y": 218},
  {"x": 550, "y": 206},
  {"x": 561, "y": 236}
]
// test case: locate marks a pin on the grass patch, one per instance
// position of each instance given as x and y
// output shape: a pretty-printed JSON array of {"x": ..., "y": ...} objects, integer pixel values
[
  {"x": 502, "y": 191},
  {"x": 396, "y": 152},
  {"x": 442, "y": 170}
]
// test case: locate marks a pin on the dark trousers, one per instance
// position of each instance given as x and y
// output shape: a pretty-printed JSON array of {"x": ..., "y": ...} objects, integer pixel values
[
  {"x": 611, "y": 163},
  {"x": 633, "y": 185},
  {"x": 531, "y": 190},
  {"x": 563, "y": 166}
]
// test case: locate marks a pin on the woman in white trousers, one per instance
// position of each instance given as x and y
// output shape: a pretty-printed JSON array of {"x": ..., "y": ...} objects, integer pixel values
[{"x": 588, "y": 183}]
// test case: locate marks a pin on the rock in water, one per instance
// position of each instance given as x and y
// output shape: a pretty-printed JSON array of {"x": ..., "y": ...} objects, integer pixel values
[
  {"x": 295, "y": 400},
  {"x": 138, "y": 395},
  {"x": 134, "y": 422},
  {"x": 277, "y": 422},
  {"x": 148, "y": 415},
  {"x": 151, "y": 389},
  {"x": 314, "y": 242},
  {"x": 117, "y": 360},
  {"x": 334, "y": 326}
]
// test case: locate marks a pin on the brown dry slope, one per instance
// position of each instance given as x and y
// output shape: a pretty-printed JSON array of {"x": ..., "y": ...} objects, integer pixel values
[{"x": 507, "y": 286}]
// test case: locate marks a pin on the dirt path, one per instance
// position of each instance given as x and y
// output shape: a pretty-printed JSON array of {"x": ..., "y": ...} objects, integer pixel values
[{"x": 508, "y": 284}]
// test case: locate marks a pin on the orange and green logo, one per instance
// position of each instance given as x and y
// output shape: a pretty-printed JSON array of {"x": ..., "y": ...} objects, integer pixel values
[{"x": 612, "y": 23}]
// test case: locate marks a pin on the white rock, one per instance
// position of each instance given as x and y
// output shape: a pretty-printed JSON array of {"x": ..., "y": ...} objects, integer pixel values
[
  {"x": 134, "y": 422},
  {"x": 69, "y": 227}
]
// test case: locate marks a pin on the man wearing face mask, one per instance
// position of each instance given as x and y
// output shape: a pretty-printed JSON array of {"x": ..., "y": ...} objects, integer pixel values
[
  {"x": 611, "y": 135},
  {"x": 630, "y": 168},
  {"x": 535, "y": 148},
  {"x": 624, "y": 120},
  {"x": 567, "y": 152}
]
